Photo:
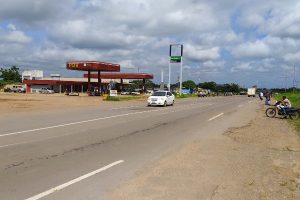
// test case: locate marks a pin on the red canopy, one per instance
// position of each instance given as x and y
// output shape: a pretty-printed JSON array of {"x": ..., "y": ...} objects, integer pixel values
[
  {"x": 121, "y": 76},
  {"x": 93, "y": 66}
]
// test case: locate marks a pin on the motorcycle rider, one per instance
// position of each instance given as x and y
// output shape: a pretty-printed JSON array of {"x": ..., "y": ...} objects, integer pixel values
[{"x": 286, "y": 105}]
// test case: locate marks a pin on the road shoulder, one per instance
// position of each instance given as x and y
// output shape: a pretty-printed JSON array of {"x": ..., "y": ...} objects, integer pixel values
[{"x": 260, "y": 160}]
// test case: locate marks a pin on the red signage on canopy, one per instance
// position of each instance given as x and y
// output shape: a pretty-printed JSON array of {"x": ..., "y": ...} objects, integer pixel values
[{"x": 93, "y": 66}]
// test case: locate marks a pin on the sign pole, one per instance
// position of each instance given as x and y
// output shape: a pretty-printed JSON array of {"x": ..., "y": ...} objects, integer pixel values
[
  {"x": 169, "y": 83},
  {"x": 180, "y": 90},
  {"x": 175, "y": 59}
]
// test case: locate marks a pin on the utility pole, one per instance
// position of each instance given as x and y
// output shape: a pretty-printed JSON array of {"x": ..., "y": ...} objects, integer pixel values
[
  {"x": 285, "y": 81},
  {"x": 294, "y": 79}
]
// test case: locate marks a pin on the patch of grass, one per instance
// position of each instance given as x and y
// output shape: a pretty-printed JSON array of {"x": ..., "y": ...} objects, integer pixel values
[
  {"x": 123, "y": 98},
  {"x": 295, "y": 100},
  {"x": 293, "y": 97}
]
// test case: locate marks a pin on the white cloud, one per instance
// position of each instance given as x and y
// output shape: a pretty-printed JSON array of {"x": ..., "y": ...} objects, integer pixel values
[
  {"x": 218, "y": 36},
  {"x": 12, "y": 35},
  {"x": 198, "y": 54},
  {"x": 292, "y": 57},
  {"x": 284, "y": 21},
  {"x": 257, "y": 49},
  {"x": 264, "y": 65}
]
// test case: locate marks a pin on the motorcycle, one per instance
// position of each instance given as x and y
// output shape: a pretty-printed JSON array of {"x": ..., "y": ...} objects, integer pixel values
[{"x": 292, "y": 113}]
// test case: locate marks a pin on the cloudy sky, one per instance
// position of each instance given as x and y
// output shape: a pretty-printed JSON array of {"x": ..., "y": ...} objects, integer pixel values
[{"x": 244, "y": 41}]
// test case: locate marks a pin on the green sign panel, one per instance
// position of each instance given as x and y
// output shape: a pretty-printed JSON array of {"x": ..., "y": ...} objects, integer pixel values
[{"x": 175, "y": 59}]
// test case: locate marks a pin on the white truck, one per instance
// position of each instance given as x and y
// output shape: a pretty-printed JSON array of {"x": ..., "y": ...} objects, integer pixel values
[{"x": 251, "y": 92}]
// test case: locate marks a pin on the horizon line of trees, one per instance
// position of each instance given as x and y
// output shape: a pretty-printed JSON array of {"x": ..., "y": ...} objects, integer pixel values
[{"x": 190, "y": 84}]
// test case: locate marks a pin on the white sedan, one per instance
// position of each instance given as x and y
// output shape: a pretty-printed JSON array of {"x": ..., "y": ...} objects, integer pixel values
[
  {"x": 46, "y": 91},
  {"x": 161, "y": 98}
]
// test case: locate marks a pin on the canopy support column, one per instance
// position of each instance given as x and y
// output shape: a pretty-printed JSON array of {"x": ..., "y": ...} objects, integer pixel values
[
  {"x": 144, "y": 88},
  {"x": 99, "y": 82},
  {"x": 121, "y": 84},
  {"x": 89, "y": 83}
]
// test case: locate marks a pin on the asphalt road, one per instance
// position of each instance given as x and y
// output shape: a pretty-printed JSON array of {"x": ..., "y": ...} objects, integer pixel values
[{"x": 87, "y": 153}]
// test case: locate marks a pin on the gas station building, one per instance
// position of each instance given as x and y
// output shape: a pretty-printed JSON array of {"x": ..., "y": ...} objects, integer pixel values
[{"x": 99, "y": 76}]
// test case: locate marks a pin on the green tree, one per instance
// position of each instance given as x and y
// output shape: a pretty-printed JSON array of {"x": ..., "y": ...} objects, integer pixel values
[
  {"x": 232, "y": 87},
  {"x": 138, "y": 84},
  {"x": 208, "y": 85},
  {"x": 235, "y": 88},
  {"x": 189, "y": 84},
  {"x": 10, "y": 75}
]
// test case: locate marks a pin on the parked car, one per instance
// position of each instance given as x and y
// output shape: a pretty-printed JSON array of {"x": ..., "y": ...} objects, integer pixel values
[
  {"x": 125, "y": 93},
  {"x": 46, "y": 91},
  {"x": 161, "y": 98},
  {"x": 135, "y": 93},
  {"x": 18, "y": 88}
]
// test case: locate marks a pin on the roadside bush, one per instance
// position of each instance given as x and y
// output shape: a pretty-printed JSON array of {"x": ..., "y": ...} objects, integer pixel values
[
  {"x": 124, "y": 98},
  {"x": 110, "y": 98}
]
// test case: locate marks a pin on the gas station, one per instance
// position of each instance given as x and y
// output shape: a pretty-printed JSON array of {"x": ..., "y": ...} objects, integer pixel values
[
  {"x": 121, "y": 76},
  {"x": 98, "y": 75},
  {"x": 91, "y": 66}
]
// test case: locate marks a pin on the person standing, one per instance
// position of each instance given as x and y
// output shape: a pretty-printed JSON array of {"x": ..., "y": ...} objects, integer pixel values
[
  {"x": 261, "y": 96},
  {"x": 268, "y": 98}
]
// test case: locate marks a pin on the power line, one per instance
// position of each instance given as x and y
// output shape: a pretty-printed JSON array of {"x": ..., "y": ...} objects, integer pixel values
[
  {"x": 285, "y": 81},
  {"x": 294, "y": 79}
]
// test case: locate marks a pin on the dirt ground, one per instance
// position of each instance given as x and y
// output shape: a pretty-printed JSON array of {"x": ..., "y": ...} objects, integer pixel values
[
  {"x": 15, "y": 102},
  {"x": 258, "y": 161}
]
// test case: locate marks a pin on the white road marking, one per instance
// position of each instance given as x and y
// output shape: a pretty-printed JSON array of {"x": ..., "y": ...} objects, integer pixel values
[
  {"x": 219, "y": 115},
  {"x": 81, "y": 122},
  {"x": 60, "y": 187},
  {"x": 27, "y": 142}
]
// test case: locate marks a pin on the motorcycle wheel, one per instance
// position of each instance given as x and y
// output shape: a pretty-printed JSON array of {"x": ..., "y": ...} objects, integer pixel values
[
  {"x": 294, "y": 115},
  {"x": 271, "y": 112}
]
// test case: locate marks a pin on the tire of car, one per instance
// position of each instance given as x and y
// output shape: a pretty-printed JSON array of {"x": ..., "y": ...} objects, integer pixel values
[
  {"x": 172, "y": 103},
  {"x": 165, "y": 103}
]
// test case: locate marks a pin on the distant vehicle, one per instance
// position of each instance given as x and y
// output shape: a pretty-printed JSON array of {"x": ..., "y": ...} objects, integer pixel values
[
  {"x": 203, "y": 93},
  {"x": 161, "y": 98},
  {"x": 228, "y": 94},
  {"x": 251, "y": 92},
  {"x": 46, "y": 91},
  {"x": 17, "y": 88},
  {"x": 243, "y": 93},
  {"x": 125, "y": 93},
  {"x": 135, "y": 93}
]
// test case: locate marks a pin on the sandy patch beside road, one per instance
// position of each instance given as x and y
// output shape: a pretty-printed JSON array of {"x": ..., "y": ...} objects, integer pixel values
[
  {"x": 16, "y": 103},
  {"x": 258, "y": 161},
  {"x": 10, "y": 102}
]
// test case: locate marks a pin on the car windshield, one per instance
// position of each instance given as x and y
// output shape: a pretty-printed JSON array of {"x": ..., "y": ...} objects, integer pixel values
[{"x": 160, "y": 94}]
